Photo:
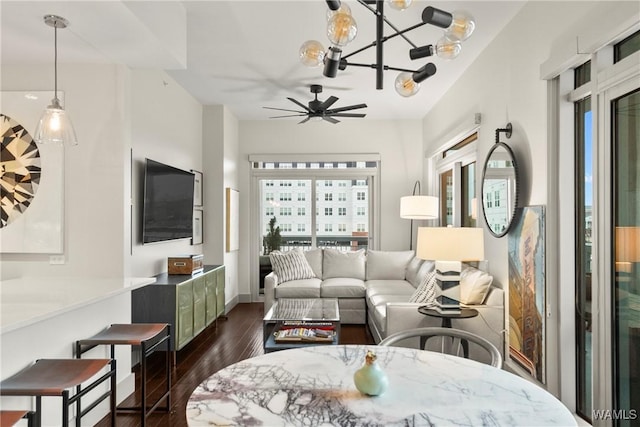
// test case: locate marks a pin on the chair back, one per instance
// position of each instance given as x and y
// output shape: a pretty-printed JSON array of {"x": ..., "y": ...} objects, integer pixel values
[{"x": 455, "y": 334}]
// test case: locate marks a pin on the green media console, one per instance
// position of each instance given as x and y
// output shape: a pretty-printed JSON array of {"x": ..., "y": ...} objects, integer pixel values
[{"x": 189, "y": 303}]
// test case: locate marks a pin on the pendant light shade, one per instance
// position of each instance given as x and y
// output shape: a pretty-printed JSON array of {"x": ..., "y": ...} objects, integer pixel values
[{"x": 55, "y": 125}]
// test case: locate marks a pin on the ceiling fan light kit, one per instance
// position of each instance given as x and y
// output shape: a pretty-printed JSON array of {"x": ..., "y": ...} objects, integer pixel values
[
  {"x": 342, "y": 29},
  {"x": 320, "y": 110}
]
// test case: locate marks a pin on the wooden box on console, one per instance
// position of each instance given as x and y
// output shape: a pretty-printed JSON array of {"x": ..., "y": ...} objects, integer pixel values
[{"x": 187, "y": 264}]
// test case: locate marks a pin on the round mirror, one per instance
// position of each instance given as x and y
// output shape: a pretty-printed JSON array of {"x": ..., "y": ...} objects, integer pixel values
[{"x": 499, "y": 189}]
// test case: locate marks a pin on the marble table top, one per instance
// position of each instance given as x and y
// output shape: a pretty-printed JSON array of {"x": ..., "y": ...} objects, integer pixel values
[{"x": 313, "y": 386}]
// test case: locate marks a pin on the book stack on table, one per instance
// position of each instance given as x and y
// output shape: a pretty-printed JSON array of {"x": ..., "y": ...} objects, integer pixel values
[{"x": 305, "y": 333}]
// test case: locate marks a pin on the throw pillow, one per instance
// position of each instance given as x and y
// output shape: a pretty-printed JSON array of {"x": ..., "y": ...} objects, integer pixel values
[
  {"x": 387, "y": 265},
  {"x": 425, "y": 293},
  {"x": 290, "y": 265},
  {"x": 474, "y": 285},
  {"x": 412, "y": 271},
  {"x": 336, "y": 263}
]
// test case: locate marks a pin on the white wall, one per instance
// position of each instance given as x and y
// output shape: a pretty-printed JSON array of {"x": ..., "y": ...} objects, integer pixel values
[{"x": 398, "y": 143}]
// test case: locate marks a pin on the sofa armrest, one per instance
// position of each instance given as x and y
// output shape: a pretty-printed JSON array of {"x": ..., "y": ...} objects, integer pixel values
[
  {"x": 270, "y": 283},
  {"x": 404, "y": 315}
]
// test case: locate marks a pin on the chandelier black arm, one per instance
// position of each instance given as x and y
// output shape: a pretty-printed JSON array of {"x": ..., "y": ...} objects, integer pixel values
[
  {"x": 385, "y": 67},
  {"x": 398, "y": 32},
  {"x": 384, "y": 39}
]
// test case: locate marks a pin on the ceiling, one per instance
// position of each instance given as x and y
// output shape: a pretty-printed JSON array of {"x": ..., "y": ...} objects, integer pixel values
[{"x": 244, "y": 54}]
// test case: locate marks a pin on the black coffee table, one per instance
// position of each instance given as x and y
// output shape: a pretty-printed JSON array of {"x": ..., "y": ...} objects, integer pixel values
[{"x": 465, "y": 313}]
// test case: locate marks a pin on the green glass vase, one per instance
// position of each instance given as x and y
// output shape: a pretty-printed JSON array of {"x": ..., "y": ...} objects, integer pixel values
[{"x": 370, "y": 379}]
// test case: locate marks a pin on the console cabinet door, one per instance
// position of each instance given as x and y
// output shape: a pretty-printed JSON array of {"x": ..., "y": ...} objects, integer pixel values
[
  {"x": 185, "y": 313},
  {"x": 199, "y": 301},
  {"x": 220, "y": 275},
  {"x": 211, "y": 290}
]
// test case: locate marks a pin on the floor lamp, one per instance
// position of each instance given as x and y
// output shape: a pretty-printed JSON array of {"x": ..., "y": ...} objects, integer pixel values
[
  {"x": 417, "y": 206},
  {"x": 448, "y": 247}
]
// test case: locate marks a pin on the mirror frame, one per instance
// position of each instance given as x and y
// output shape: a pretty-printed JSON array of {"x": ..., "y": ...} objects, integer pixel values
[{"x": 514, "y": 210}]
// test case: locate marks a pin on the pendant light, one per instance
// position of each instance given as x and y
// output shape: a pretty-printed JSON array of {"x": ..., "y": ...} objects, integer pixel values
[{"x": 55, "y": 125}]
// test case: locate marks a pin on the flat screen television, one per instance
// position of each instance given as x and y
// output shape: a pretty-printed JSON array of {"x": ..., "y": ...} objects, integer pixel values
[{"x": 168, "y": 203}]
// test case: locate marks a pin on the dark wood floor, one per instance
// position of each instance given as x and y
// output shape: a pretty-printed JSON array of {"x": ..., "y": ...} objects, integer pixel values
[{"x": 237, "y": 338}]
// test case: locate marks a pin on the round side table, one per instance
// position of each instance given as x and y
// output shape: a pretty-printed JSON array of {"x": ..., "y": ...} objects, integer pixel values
[{"x": 465, "y": 313}]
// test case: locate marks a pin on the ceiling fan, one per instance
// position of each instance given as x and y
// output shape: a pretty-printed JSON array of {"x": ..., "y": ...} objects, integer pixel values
[{"x": 320, "y": 109}]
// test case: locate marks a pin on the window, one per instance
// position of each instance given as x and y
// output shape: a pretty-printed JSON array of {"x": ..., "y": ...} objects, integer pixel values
[
  {"x": 269, "y": 183},
  {"x": 328, "y": 183},
  {"x": 302, "y": 197},
  {"x": 342, "y": 211},
  {"x": 328, "y": 197},
  {"x": 285, "y": 183},
  {"x": 328, "y": 211},
  {"x": 360, "y": 195},
  {"x": 285, "y": 211},
  {"x": 342, "y": 228},
  {"x": 286, "y": 228},
  {"x": 360, "y": 227},
  {"x": 301, "y": 211},
  {"x": 328, "y": 228},
  {"x": 360, "y": 211},
  {"x": 268, "y": 197},
  {"x": 626, "y": 47},
  {"x": 342, "y": 197},
  {"x": 302, "y": 184},
  {"x": 342, "y": 183},
  {"x": 302, "y": 228},
  {"x": 496, "y": 197},
  {"x": 455, "y": 175},
  {"x": 285, "y": 197},
  {"x": 268, "y": 211}
]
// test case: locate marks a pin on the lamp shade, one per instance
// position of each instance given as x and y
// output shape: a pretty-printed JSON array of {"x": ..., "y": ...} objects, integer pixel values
[
  {"x": 418, "y": 207},
  {"x": 450, "y": 243}
]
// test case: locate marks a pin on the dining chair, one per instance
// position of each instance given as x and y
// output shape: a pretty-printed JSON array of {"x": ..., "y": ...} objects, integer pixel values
[{"x": 463, "y": 337}]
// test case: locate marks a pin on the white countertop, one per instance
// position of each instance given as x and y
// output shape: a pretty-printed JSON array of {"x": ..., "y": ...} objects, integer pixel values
[
  {"x": 28, "y": 300},
  {"x": 314, "y": 386}
]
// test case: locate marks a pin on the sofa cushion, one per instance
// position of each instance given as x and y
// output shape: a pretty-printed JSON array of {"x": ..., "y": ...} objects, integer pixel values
[
  {"x": 474, "y": 285},
  {"x": 412, "y": 271},
  {"x": 389, "y": 287},
  {"x": 336, "y": 263},
  {"x": 291, "y": 265},
  {"x": 378, "y": 308},
  {"x": 383, "y": 265},
  {"x": 344, "y": 287},
  {"x": 314, "y": 257},
  {"x": 305, "y": 288},
  {"x": 426, "y": 292},
  {"x": 425, "y": 268}
]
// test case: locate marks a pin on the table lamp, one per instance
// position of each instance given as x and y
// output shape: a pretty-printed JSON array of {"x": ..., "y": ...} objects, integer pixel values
[{"x": 448, "y": 247}]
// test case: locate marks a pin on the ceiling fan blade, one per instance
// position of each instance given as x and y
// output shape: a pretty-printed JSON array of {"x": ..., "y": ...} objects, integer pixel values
[
  {"x": 289, "y": 115},
  {"x": 300, "y": 104},
  {"x": 284, "y": 109},
  {"x": 328, "y": 103},
  {"x": 348, "y": 115},
  {"x": 350, "y": 107},
  {"x": 330, "y": 119},
  {"x": 304, "y": 120}
]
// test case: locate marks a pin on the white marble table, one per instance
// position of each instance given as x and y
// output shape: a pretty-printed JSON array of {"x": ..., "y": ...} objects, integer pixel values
[{"x": 314, "y": 387}]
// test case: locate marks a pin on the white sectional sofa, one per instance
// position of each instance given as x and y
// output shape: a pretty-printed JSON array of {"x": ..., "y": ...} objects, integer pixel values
[{"x": 374, "y": 287}]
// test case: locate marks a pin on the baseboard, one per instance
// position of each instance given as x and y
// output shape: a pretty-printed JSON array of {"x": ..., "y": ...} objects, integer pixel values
[{"x": 244, "y": 298}]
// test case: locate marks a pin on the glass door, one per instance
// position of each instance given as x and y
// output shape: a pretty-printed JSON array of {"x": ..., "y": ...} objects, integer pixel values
[{"x": 625, "y": 124}]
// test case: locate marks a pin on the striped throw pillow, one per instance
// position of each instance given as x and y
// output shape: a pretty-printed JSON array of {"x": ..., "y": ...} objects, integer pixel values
[
  {"x": 291, "y": 265},
  {"x": 425, "y": 293}
]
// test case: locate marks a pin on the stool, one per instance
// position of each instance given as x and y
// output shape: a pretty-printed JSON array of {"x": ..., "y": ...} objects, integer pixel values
[
  {"x": 54, "y": 377},
  {"x": 147, "y": 336},
  {"x": 10, "y": 418}
]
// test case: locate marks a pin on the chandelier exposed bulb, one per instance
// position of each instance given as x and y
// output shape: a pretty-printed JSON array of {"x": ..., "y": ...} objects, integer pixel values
[
  {"x": 405, "y": 85},
  {"x": 399, "y": 4},
  {"x": 448, "y": 49},
  {"x": 344, "y": 8},
  {"x": 312, "y": 53},
  {"x": 461, "y": 27},
  {"x": 341, "y": 29}
]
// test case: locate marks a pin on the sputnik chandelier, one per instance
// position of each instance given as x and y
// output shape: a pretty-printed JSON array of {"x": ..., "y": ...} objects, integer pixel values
[{"x": 342, "y": 29}]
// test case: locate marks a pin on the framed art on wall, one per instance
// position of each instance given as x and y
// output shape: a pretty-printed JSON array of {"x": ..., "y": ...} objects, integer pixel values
[
  {"x": 197, "y": 227},
  {"x": 32, "y": 178},
  {"x": 232, "y": 217},
  {"x": 197, "y": 188},
  {"x": 527, "y": 286}
]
